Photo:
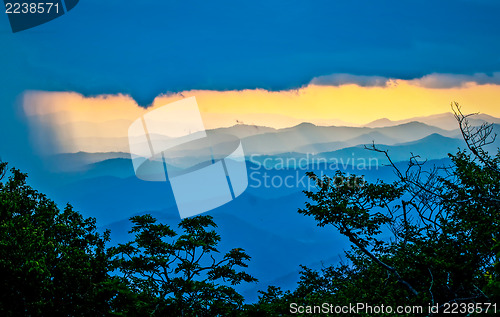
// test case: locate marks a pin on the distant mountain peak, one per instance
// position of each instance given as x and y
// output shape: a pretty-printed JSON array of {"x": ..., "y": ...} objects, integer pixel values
[
  {"x": 383, "y": 122},
  {"x": 303, "y": 125},
  {"x": 434, "y": 138},
  {"x": 444, "y": 121},
  {"x": 413, "y": 124}
]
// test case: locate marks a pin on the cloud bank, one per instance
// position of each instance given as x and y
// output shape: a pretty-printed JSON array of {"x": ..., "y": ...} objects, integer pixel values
[
  {"x": 434, "y": 80},
  {"x": 345, "y": 79},
  {"x": 452, "y": 80}
]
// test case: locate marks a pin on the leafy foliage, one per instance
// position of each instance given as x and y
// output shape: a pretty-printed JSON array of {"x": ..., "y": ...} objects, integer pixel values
[
  {"x": 179, "y": 275},
  {"x": 444, "y": 228},
  {"x": 52, "y": 262}
]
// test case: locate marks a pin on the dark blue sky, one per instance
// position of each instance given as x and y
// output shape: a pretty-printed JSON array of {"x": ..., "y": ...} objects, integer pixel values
[{"x": 146, "y": 47}]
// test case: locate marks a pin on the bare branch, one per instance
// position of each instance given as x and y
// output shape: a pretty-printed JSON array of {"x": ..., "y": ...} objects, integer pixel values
[
  {"x": 476, "y": 138},
  {"x": 354, "y": 239}
]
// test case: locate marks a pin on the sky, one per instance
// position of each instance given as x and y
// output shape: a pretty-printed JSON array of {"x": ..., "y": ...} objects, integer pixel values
[{"x": 257, "y": 49}]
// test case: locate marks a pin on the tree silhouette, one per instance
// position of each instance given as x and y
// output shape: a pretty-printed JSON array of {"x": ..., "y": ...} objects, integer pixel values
[
  {"x": 443, "y": 225},
  {"x": 52, "y": 262},
  {"x": 179, "y": 275}
]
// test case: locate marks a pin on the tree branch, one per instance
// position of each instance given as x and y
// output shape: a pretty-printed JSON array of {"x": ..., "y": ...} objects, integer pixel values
[{"x": 352, "y": 237}]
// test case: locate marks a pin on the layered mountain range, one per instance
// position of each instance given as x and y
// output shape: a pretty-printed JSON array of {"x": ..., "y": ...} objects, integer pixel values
[
  {"x": 264, "y": 219},
  {"x": 431, "y": 137}
]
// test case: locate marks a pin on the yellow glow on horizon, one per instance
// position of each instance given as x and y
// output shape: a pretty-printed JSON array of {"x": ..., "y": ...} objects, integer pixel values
[
  {"x": 349, "y": 103},
  {"x": 84, "y": 123}
]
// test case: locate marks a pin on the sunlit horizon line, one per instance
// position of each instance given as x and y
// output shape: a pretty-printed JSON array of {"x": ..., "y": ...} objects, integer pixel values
[
  {"x": 76, "y": 123},
  {"x": 159, "y": 101}
]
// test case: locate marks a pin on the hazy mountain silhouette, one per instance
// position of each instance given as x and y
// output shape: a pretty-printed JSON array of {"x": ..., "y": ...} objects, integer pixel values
[
  {"x": 445, "y": 121},
  {"x": 264, "y": 219},
  {"x": 307, "y": 134}
]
